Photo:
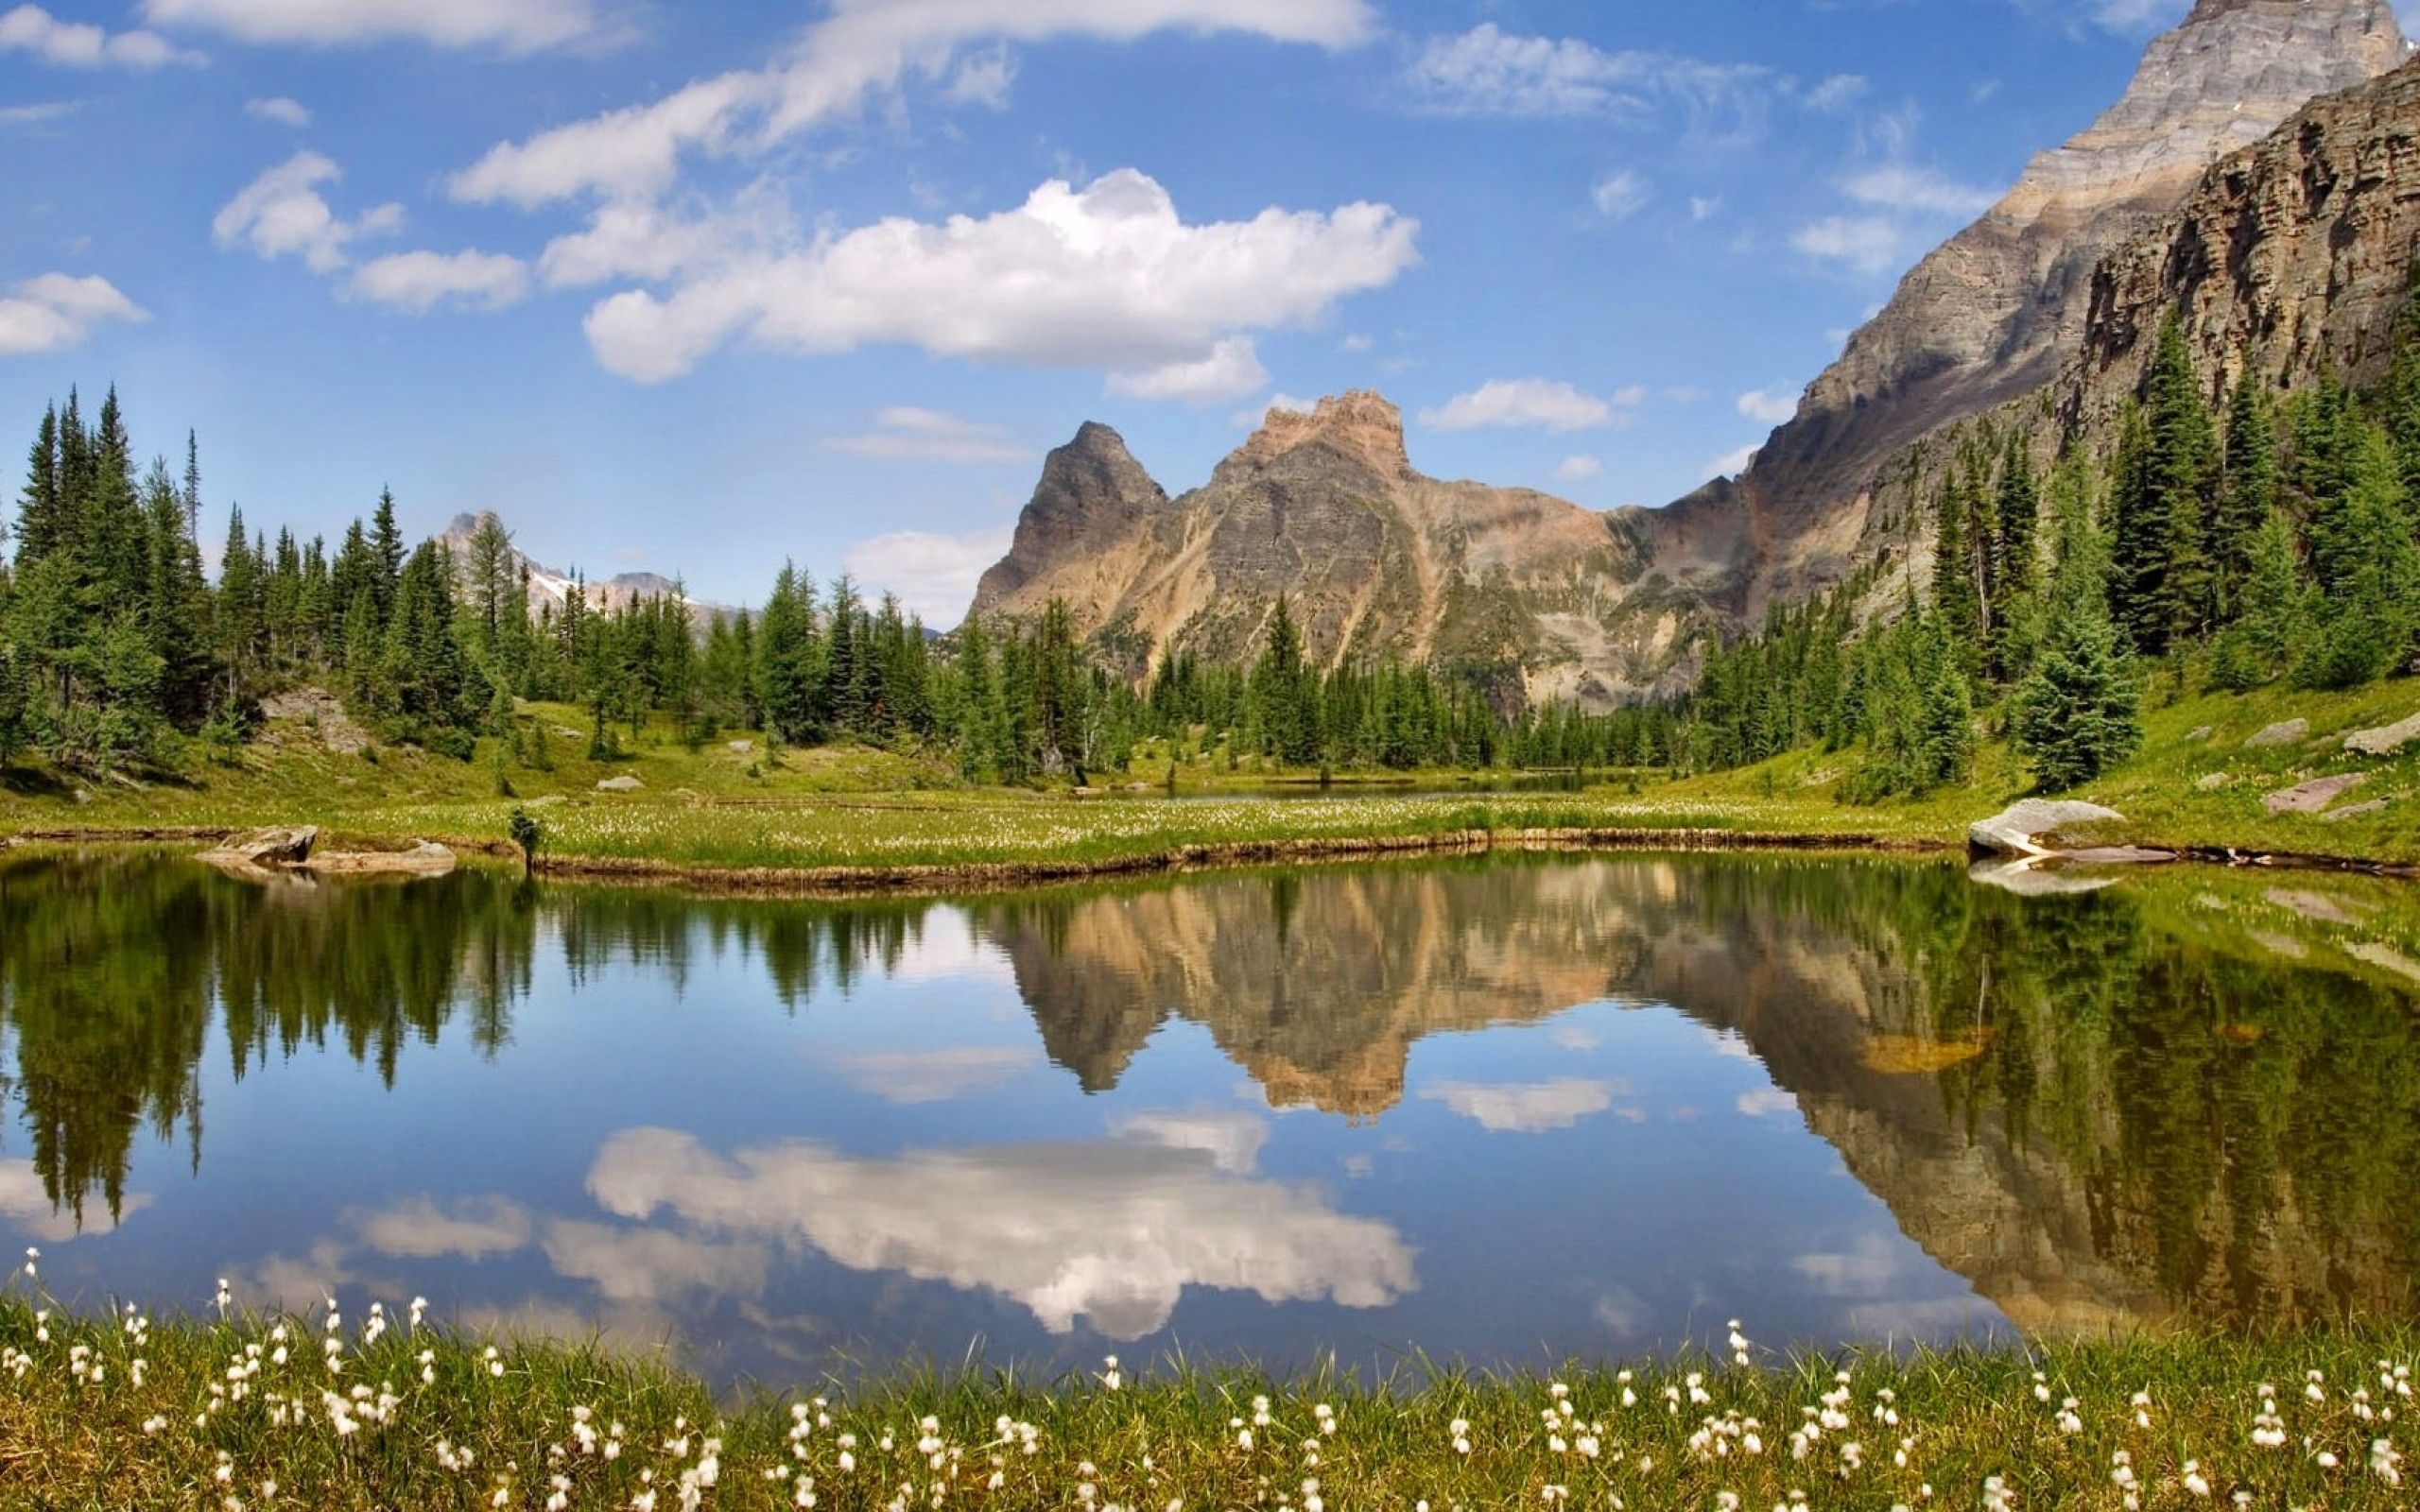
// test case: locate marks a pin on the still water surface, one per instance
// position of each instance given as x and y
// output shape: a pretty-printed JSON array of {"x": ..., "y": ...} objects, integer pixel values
[{"x": 1504, "y": 1110}]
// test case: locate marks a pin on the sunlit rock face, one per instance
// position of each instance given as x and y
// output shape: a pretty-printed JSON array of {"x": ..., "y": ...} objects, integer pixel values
[
  {"x": 1995, "y": 312},
  {"x": 1373, "y": 557}
]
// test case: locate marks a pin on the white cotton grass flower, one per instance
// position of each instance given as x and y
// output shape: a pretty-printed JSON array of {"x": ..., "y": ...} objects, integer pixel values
[
  {"x": 2195, "y": 1482},
  {"x": 1110, "y": 1377},
  {"x": 2385, "y": 1463}
]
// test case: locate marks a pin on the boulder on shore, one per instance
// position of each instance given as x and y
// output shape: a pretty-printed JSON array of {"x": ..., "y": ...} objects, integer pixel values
[
  {"x": 425, "y": 859},
  {"x": 2313, "y": 796},
  {"x": 2020, "y": 829},
  {"x": 284, "y": 846}
]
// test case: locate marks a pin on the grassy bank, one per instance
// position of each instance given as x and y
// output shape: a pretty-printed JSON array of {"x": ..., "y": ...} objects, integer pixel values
[
  {"x": 370, "y": 1412},
  {"x": 873, "y": 818}
]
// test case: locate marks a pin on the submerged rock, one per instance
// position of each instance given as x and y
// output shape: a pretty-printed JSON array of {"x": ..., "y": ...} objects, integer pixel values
[
  {"x": 2028, "y": 878},
  {"x": 2020, "y": 829}
]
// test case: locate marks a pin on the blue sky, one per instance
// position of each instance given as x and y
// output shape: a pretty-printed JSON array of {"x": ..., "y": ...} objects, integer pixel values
[{"x": 700, "y": 288}]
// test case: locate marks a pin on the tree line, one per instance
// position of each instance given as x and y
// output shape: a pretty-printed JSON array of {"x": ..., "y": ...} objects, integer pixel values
[
  {"x": 113, "y": 638},
  {"x": 2244, "y": 539}
]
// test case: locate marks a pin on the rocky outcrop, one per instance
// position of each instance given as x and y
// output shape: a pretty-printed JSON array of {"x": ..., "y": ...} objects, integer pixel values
[
  {"x": 282, "y": 847},
  {"x": 2386, "y": 739},
  {"x": 1997, "y": 311},
  {"x": 1376, "y": 559},
  {"x": 2024, "y": 828}
]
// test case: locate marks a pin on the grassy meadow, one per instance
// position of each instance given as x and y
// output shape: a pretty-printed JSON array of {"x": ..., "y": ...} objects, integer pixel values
[{"x": 737, "y": 805}]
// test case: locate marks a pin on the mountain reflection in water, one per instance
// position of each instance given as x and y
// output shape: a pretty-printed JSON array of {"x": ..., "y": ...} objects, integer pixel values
[{"x": 1484, "y": 1106}]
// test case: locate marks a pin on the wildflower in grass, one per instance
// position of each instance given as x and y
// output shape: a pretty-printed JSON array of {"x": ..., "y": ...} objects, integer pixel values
[
  {"x": 2195, "y": 1482},
  {"x": 33, "y": 1263},
  {"x": 2385, "y": 1463},
  {"x": 224, "y": 1297},
  {"x": 1109, "y": 1376}
]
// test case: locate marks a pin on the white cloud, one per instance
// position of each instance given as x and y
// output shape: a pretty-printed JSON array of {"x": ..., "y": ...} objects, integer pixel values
[
  {"x": 635, "y": 238},
  {"x": 1766, "y": 1102},
  {"x": 1837, "y": 93},
  {"x": 1113, "y": 1232},
  {"x": 418, "y": 1229},
  {"x": 1702, "y": 207},
  {"x": 1579, "y": 468},
  {"x": 1278, "y": 403},
  {"x": 909, "y": 1077},
  {"x": 1772, "y": 409},
  {"x": 1231, "y": 371},
  {"x": 1524, "y": 1107},
  {"x": 282, "y": 212},
  {"x": 861, "y": 50},
  {"x": 55, "y": 311},
  {"x": 420, "y": 280},
  {"x": 910, "y": 433},
  {"x": 933, "y": 574},
  {"x": 1509, "y": 402},
  {"x": 1232, "y": 1140},
  {"x": 510, "y": 25},
  {"x": 1488, "y": 70},
  {"x": 41, "y": 113},
  {"x": 1923, "y": 191},
  {"x": 78, "y": 44},
  {"x": 1868, "y": 244},
  {"x": 27, "y": 1206},
  {"x": 281, "y": 110},
  {"x": 1731, "y": 464},
  {"x": 1106, "y": 275},
  {"x": 1618, "y": 196}
]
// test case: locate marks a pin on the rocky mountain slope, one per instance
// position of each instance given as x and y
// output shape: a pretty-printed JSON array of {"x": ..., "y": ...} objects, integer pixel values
[
  {"x": 1374, "y": 558},
  {"x": 2258, "y": 168},
  {"x": 549, "y": 587}
]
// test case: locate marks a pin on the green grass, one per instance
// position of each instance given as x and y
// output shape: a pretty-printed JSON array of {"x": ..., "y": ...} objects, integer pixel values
[
  {"x": 879, "y": 811},
  {"x": 402, "y": 1416}
]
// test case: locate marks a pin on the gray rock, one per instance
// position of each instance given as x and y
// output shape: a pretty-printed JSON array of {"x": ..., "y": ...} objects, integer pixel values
[
  {"x": 741, "y": 747},
  {"x": 2212, "y": 783},
  {"x": 2353, "y": 811},
  {"x": 2200, "y": 732},
  {"x": 624, "y": 784},
  {"x": 2313, "y": 796},
  {"x": 2385, "y": 740},
  {"x": 2379, "y": 953},
  {"x": 425, "y": 859},
  {"x": 284, "y": 846},
  {"x": 2284, "y": 732},
  {"x": 2020, "y": 829}
]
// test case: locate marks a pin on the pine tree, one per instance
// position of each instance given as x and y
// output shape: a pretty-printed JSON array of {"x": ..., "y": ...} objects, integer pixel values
[
  {"x": 2373, "y": 605},
  {"x": 2272, "y": 610},
  {"x": 2246, "y": 496},
  {"x": 387, "y": 555}
]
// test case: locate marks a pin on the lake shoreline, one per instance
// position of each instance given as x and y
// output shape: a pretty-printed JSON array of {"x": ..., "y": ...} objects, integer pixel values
[
  {"x": 98, "y": 1412},
  {"x": 929, "y": 879}
]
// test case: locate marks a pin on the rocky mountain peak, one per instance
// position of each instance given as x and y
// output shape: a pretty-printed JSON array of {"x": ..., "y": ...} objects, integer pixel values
[{"x": 1360, "y": 424}]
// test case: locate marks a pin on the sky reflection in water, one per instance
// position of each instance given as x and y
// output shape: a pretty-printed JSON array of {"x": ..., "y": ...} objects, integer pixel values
[{"x": 1506, "y": 1110}]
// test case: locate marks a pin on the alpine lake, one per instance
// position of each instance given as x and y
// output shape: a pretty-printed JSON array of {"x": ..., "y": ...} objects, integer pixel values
[{"x": 1504, "y": 1111}]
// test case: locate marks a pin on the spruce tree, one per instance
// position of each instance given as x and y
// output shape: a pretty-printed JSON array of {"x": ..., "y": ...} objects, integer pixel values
[{"x": 2246, "y": 496}]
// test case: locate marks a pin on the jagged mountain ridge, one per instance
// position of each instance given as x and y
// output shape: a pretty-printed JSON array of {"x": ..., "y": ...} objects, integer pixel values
[
  {"x": 2050, "y": 290},
  {"x": 1375, "y": 557}
]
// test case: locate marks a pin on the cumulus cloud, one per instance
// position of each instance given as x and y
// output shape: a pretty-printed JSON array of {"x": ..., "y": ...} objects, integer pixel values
[
  {"x": 1232, "y": 1140},
  {"x": 282, "y": 213},
  {"x": 509, "y": 25},
  {"x": 640, "y": 239},
  {"x": 1231, "y": 371},
  {"x": 912, "y": 432},
  {"x": 1579, "y": 468},
  {"x": 1538, "y": 401},
  {"x": 78, "y": 44},
  {"x": 1112, "y": 1232},
  {"x": 1107, "y": 276},
  {"x": 280, "y": 110},
  {"x": 422, "y": 281},
  {"x": 1923, "y": 191},
  {"x": 1837, "y": 93},
  {"x": 1771, "y": 407},
  {"x": 933, "y": 575},
  {"x": 53, "y": 311},
  {"x": 1618, "y": 196},
  {"x": 1868, "y": 244},
  {"x": 1488, "y": 70},
  {"x": 1766, "y": 1102},
  {"x": 1524, "y": 1107},
  {"x": 862, "y": 50}
]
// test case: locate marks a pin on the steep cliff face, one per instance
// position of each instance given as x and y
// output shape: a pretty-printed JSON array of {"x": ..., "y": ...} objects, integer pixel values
[
  {"x": 1997, "y": 310},
  {"x": 1375, "y": 557},
  {"x": 2293, "y": 256}
]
